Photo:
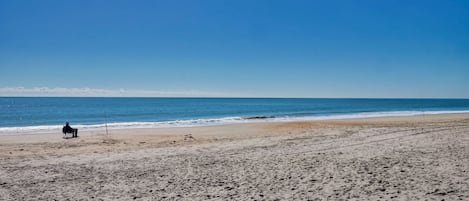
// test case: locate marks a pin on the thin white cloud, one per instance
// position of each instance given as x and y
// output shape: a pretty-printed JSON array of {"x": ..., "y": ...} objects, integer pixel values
[{"x": 92, "y": 92}]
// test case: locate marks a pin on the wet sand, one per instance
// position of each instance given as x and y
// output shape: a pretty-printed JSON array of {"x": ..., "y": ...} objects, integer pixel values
[{"x": 391, "y": 158}]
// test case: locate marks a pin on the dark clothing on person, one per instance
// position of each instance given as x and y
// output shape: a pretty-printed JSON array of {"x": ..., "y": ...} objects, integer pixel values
[{"x": 68, "y": 129}]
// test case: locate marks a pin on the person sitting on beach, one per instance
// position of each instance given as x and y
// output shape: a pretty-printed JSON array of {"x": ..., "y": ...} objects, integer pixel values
[{"x": 68, "y": 129}]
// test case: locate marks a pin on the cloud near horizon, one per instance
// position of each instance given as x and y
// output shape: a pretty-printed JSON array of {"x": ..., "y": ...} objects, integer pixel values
[{"x": 94, "y": 92}]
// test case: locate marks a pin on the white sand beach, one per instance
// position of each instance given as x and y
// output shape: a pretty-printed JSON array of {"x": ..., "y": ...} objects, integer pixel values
[{"x": 389, "y": 158}]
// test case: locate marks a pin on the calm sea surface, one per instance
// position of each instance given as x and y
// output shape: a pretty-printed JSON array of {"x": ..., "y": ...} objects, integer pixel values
[{"x": 32, "y": 114}]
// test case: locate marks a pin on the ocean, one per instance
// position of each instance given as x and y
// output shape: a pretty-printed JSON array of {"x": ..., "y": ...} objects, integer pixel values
[{"x": 48, "y": 114}]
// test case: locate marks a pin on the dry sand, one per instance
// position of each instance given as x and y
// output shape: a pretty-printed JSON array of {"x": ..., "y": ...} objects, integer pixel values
[{"x": 393, "y": 158}]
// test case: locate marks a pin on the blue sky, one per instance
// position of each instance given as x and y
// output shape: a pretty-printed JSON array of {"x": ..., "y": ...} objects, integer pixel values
[{"x": 235, "y": 48}]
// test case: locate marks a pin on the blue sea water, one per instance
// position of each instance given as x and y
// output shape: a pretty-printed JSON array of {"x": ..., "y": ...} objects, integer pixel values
[{"x": 33, "y": 114}]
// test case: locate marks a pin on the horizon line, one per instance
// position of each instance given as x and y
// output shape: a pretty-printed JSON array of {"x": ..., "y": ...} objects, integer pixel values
[{"x": 233, "y": 97}]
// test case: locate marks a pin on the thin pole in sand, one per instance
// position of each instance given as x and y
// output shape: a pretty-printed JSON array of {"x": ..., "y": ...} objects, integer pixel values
[
  {"x": 105, "y": 124},
  {"x": 422, "y": 108}
]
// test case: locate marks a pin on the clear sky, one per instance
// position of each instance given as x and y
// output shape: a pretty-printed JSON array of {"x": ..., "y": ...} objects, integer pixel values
[{"x": 242, "y": 48}]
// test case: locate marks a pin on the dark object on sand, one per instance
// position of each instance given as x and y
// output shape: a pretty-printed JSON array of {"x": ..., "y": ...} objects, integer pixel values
[{"x": 67, "y": 129}]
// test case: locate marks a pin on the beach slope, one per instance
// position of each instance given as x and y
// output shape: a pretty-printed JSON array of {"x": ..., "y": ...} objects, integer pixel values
[{"x": 398, "y": 158}]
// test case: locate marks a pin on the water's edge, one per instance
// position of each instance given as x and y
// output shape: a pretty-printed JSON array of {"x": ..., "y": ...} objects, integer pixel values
[{"x": 215, "y": 121}]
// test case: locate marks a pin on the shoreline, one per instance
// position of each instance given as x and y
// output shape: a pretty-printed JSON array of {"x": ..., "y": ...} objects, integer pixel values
[
  {"x": 193, "y": 123},
  {"x": 137, "y": 138},
  {"x": 380, "y": 119}
]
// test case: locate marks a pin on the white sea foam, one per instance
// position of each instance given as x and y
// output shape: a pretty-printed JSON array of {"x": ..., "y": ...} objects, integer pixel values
[
  {"x": 369, "y": 115},
  {"x": 122, "y": 125},
  {"x": 210, "y": 122}
]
